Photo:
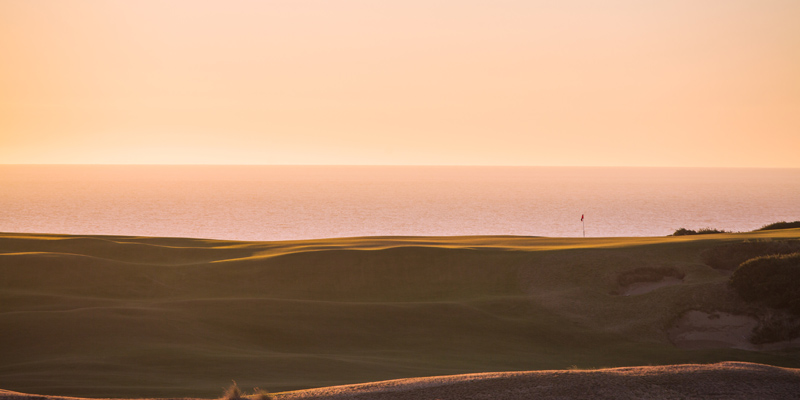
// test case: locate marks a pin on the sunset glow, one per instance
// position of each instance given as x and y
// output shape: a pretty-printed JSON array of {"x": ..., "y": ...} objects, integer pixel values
[{"x": 578, "y": 83}]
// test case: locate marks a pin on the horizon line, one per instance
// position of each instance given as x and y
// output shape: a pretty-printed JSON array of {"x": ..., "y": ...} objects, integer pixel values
[{"x": 390, "y": 165}]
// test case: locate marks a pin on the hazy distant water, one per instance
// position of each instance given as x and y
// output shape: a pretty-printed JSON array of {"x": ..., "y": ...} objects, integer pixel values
[{"x": 290, "y": 202}]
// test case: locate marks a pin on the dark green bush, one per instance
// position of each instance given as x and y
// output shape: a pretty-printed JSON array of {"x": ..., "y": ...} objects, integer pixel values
[
  {"x": 730, "y": 256},
  {"x": 684, "y": 232},
  {"x": 706, "y": 231},
  {"x": 702, "y": 231},
  {"x": 780, "y": 225},
  {"x": 772, "y": 280}
]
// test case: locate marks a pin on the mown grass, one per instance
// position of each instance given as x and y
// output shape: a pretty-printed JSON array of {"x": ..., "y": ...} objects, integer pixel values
[{"x": 652, "y": 274}]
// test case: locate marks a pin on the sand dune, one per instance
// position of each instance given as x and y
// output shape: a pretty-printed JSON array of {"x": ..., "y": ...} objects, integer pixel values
[
  {"x": 112, "y": 316},
  {"x": 729, "y": 380}
]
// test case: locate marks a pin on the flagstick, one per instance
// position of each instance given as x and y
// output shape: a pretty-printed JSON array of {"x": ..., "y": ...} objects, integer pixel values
[{"x": 583, "y": 224}]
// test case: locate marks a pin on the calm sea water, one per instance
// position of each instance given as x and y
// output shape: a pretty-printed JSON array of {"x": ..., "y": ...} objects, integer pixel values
[{"x": 295, "y": 202}]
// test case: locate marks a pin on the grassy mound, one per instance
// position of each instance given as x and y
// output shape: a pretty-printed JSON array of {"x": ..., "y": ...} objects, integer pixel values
[
  {"x": 728, "y": 257},
  {"x": 780, "y": 225},
  {"x": 110, "y": 316},
  {"x": 772, "y": 280}
]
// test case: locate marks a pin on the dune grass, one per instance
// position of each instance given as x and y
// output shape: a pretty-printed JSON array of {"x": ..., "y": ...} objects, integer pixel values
[{"x": 117, "y": 316}]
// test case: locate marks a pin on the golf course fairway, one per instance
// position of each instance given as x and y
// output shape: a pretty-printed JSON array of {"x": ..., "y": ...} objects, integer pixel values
[{"x": 113, "y": 316}]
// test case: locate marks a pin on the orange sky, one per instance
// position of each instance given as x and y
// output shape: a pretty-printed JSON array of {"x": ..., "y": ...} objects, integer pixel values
[{"x": 611, "y": 83}]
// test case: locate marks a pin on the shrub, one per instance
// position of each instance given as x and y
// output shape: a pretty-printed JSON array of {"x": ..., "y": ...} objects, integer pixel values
[
  {"x": 706, "y": 231},
  {"x": 772, "y": 280},
  {"x": 780, "y": 225},
  {"x": 702, "y": 231},
  {"x": 730, "y": 256}
]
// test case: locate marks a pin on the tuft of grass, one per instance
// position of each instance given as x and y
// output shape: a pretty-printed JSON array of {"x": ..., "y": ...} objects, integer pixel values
[
  {"x": 232, "y": 392},
  {"x": 261, "y": 394},
  {"x": 779, "y": 225}
]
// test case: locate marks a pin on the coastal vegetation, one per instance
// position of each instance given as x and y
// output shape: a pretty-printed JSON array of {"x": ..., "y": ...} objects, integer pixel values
[{"x": 707, "y": 231}]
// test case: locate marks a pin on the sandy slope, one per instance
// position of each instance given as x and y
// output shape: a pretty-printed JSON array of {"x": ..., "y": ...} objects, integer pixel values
[{"x": 728, "y": 380}]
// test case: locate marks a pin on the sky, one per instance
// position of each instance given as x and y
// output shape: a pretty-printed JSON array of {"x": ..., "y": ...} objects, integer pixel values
[{"x": 685, "y": 83}]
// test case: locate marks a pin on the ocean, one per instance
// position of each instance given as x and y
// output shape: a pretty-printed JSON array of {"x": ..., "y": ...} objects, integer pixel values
[{"x": 309, "y": 202}]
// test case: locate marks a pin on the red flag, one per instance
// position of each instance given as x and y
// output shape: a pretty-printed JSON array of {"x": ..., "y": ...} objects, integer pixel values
[{"x": 581, "y": 217}]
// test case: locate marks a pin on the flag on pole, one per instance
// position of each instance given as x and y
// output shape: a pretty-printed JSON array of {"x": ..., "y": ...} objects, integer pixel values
[{"x": 581, "y": 217}]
